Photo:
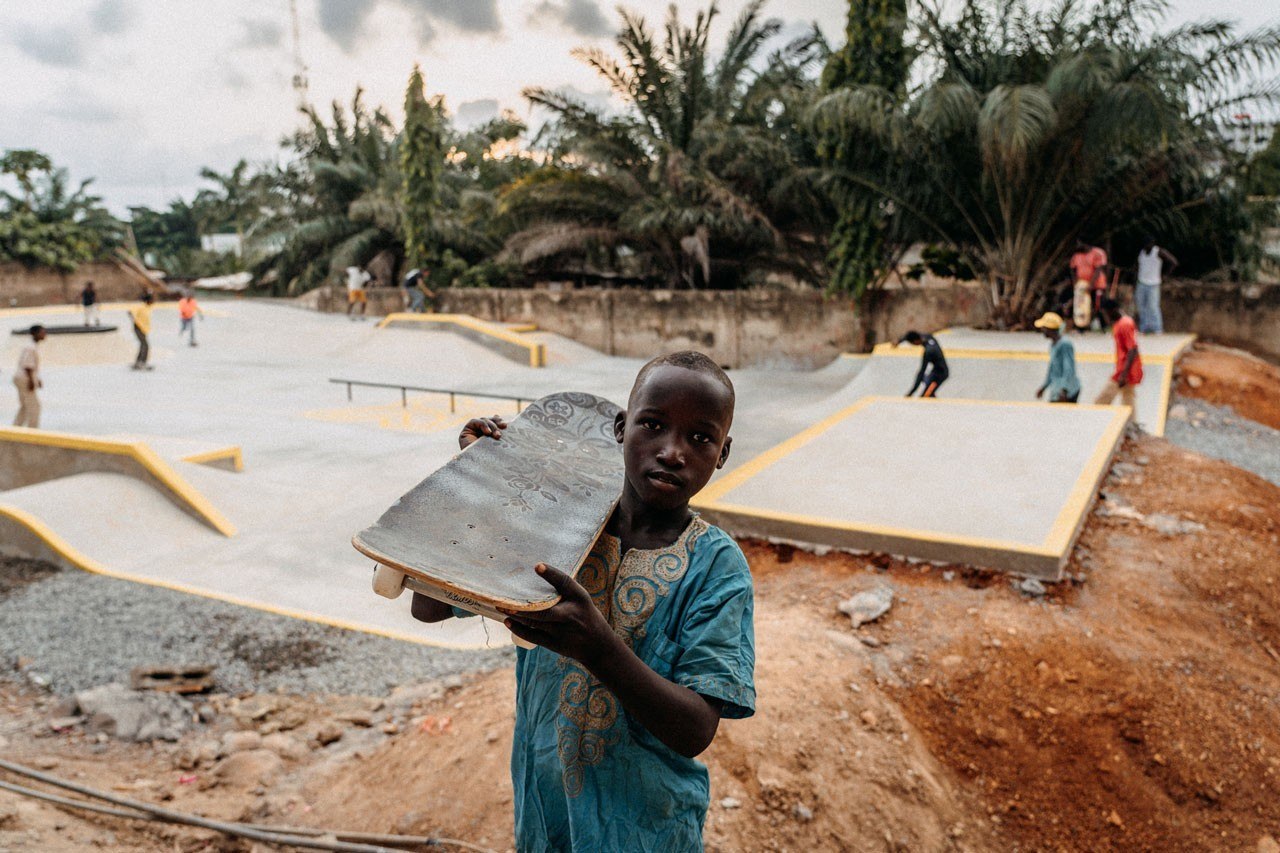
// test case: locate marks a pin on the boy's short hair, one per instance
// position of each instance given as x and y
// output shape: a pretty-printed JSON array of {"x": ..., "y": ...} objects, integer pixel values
[
  {"x": 35, "y": 330},
  {"x": 912, "y": 337},
  {"x": 689, "y": 360}
]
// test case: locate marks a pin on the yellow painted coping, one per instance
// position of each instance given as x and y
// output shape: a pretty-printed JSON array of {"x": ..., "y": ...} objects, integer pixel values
[
  {"x": 231, "y": 454},
  {"x": 1054, "y": 544},
  {"x": 139, "y": 452},
  {"x": 537, "y": 351},
  {"x": 86, "y": 563},
  {"x": 102, "y": 306}
]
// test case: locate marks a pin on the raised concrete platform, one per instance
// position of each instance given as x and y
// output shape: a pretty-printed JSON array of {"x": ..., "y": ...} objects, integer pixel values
[
  {"x": 1168, "y": 345},
  {"x": 1003, "y": 485},
  {"x": 502, "y": 339}
]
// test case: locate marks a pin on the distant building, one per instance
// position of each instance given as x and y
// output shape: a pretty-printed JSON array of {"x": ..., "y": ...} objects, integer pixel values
[{"x": 223, "y": 244}]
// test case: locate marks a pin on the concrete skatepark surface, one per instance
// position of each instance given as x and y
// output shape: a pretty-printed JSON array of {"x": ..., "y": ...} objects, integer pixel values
[
  {"x": 995, "y": 484},
  {"x": 259, "y": 381}
]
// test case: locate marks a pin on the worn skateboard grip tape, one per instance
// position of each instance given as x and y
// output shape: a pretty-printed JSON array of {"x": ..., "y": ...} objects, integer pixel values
[{"x": 540, "y": 494}]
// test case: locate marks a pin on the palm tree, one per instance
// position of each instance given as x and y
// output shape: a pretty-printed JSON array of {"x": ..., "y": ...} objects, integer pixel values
[
  {"x": 709, "y": 167},
  {"x": 1034, "y": 129}
]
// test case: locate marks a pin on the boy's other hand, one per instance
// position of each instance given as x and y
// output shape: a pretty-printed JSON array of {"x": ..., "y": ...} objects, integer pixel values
[
  {"x": 574, "y": 627},
  {"x": 479, "y": 427}
]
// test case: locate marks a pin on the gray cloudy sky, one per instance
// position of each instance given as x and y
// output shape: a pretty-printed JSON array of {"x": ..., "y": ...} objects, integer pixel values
[{"x": 140, "y": 94}]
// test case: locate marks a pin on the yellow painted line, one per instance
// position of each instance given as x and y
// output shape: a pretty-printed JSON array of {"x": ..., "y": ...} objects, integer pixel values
[
  {"x": 86, "y": 563},
  {"x": 1072, "y": 514},
  {"x": 894, "y": 532},
  {"x": 907, "y": 351},
  {"x": 537, "y": 351},
  {"x": 856, "y": 355},
  {"x": 747, "y": 470},
  {"x": 233, "y": 453},
  {"x": 140, "y": 453}
]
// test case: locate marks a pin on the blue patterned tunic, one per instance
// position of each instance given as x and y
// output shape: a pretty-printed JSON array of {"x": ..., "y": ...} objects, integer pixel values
[{"x": 587, "y": 777}]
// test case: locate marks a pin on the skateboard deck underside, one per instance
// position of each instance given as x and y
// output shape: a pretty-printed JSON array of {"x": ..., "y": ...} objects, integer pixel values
[{"x": 471, "y": 533}]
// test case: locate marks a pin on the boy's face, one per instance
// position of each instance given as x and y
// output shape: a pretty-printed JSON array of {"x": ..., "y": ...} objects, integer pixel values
[{"x": 674, "y": 435}]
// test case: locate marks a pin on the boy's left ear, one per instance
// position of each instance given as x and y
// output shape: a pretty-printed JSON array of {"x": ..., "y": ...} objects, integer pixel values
[
  {"x": 724, "y": 453},
  {"x": 619, "y": 425}
]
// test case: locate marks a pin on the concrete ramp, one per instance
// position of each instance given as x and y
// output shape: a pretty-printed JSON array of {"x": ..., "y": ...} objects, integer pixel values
[{"x": 1002, "y": 485}]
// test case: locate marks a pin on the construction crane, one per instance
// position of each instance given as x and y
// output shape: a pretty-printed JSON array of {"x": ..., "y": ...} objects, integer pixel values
[{"x": 299, "y": 67}]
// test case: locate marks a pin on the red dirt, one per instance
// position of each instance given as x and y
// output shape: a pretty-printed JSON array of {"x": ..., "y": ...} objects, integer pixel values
[{"x": 1227, "y": 377}]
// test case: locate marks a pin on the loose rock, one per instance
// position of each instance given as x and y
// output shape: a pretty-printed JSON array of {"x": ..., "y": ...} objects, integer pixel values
[
  {"x": 803, "y": 813},
  {"x": 328, "y": 733},
  {"x": 867, "y": 606},
  {"x": 1032, "y": 587},
  {"x": 233, "y": 742},
  {"x": 247, "y": 769},
  {"x": 730, "y": 803}
]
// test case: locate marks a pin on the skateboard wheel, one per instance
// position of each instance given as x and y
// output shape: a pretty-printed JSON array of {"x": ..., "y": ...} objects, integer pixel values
[{"x": 388, "y": 582}]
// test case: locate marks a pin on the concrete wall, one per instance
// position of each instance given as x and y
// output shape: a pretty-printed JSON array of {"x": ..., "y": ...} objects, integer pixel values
[
  {"x": 778, "y": 328},
  {"x": 1241, "y": 315},
  {"x": 20, "y": 286}
]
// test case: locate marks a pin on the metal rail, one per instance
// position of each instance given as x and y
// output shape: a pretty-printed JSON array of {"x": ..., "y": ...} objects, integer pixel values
[{"x": 453, "y": 393}]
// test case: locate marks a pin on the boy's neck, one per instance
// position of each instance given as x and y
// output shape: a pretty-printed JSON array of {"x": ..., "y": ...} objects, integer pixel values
[{"x": 643, "y": 527}]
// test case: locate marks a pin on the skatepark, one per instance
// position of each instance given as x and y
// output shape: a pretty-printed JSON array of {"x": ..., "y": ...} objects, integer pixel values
[{"x": 240, "y": 469}]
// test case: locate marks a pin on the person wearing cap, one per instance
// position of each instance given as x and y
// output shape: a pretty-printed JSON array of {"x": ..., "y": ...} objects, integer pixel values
[
  {"x": 933, "y": 364},
  {"x": 27, "y": 380},
  {"x": 1061, "y": 382}
]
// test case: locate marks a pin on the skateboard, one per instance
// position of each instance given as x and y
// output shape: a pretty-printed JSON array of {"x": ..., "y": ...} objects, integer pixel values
[{"x": 470, "y": 534}]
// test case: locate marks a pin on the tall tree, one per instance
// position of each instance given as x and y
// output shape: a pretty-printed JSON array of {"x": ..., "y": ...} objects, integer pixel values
[
  {"x": 50, "y": 223},
  {"x": 874, "y": 55},
  {"x": 422, "y": 155}
]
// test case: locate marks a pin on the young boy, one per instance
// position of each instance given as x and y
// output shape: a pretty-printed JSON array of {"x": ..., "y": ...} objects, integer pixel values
[
  {"x": 933, "y": 364},
  {"x": 647, "y": 650},
  {"x": 141, "y": 315},
  {"x": 188, "y": 309},
  {"x": 1061, "y": 380},
  {"x": 1128, "y": 373},
  {"x": 27, "y": 380}
]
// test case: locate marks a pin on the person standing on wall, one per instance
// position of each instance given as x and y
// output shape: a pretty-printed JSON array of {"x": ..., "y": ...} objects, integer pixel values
[
  {"x": 89, "y": 301},
  {"x": 141, "y": 315},
  {"x": 1151, "y": 261},
  {"x": 27, "y": 380},
  {"x": 1089, "y": 266}
]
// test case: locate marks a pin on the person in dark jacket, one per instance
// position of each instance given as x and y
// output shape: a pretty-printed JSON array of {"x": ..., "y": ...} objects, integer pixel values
[{"x": 933, "y": 364}]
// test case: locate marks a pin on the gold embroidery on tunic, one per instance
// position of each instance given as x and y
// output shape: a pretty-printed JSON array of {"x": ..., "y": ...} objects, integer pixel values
[{"x": 626, "y": 589}]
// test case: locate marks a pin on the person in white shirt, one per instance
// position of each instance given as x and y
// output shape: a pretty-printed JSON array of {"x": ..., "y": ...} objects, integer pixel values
[
  {"x": 27, "y": 381},
  {"x": 1151, "y": 261},
  {"x": 357, "y": 278}
]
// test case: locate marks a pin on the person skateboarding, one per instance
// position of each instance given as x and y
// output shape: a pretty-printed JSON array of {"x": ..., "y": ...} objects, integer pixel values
[
  {"x": 1128, "y": 373},
  {"x": 1061, "y": 382},
  {"x": 141, "y": 316},
  {"x": 933, "y": 364},
  {"x": 647, "y": 651},
  {"x": 27, "y": 380},
  {"x": 188, "y": 310}
]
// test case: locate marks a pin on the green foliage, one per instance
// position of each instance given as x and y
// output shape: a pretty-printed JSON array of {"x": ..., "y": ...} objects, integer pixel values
[
  {"x": 1033, "y": 129},
  {"x": 421, "y": 161},
  {"x": 50, "y": 224},
  {"x": 709, "y": 176}
]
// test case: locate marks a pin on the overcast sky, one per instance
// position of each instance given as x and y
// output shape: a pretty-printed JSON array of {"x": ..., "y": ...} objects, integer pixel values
[{"x": 140, "y": 94}]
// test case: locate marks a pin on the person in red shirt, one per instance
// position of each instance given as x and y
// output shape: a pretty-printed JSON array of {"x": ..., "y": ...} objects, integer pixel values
[
  {"x": 1089, "y": 266},
  {"x": 1128, "y": 373}
]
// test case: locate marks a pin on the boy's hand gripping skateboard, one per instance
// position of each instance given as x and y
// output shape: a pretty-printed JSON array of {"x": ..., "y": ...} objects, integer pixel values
[{"x": 470, "y": 534}]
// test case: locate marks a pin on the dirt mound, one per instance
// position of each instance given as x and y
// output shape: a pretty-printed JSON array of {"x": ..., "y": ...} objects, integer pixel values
[{"x": 1228, "y": 377}]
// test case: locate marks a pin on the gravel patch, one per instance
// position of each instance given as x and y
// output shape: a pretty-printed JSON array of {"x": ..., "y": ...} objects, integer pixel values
[
  {"x": 71, "y": 631},
  {"x": 1219, "y": 432}
]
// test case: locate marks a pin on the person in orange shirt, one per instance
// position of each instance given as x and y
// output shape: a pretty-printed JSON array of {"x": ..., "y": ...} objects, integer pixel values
[
  {"x": 1089, "y": 266},
  {"x": 187, "y": 311}
]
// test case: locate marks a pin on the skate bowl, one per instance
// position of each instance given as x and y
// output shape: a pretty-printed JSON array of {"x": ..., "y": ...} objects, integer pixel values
[{"x": 996, "y": 484}]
